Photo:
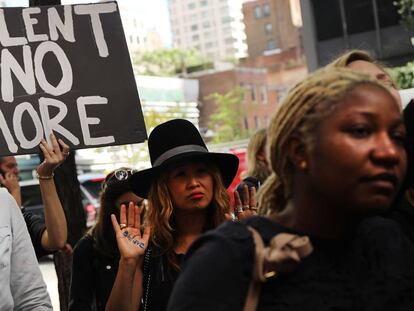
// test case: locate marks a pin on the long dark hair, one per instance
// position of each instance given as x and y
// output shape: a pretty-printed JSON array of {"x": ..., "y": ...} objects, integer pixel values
[{"x": 102, "y": 232}]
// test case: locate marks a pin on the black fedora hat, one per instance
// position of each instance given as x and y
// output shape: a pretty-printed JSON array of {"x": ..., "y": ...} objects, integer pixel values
[{"x": 175, "y": 141}]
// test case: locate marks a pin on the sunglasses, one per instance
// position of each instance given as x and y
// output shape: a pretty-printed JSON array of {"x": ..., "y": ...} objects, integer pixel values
[{"x": 121, "y": 174}]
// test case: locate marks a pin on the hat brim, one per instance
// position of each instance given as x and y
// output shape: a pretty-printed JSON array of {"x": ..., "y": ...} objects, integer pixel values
[{"x": 227, "y": 164}]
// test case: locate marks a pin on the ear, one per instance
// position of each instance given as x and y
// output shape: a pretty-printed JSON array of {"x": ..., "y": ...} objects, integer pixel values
[{"x": 297, "y": 153}]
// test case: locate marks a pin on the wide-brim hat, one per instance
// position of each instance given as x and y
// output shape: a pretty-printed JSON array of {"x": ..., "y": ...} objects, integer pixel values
[{"x": 176, "y": 141}]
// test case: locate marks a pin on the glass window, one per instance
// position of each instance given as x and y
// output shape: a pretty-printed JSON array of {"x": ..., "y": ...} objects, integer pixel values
[
  {"x": 191, "y": 6},
  {"x": 206, "y": 24},
  {"x": 263, "y": 94},
  {"x": 253, "y": 93},
  {"x": 246, "y": 123},
  {"x": 359, "y": 16},
  {"x": 227, "y": 19},
  {"x": 195, "y": 37},
  {"x": 229, "y": 40},
  {"x": 208, "y": 45},
  {"x": 257, "y": 122},
  {"x": 266, "y": 9},
  {"x": 268, "y": 28},
  {"x": 328, "y": 26},
  {"x": 387, "y": 13},
  {"x": 203, "y": 3},
  {"x": 258, "y": 12},
  {"x": 194, "y": 27},
  {"x": 270, "y": 44}
]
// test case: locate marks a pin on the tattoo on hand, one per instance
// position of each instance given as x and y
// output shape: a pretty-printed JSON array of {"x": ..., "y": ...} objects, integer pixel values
[{"x": 133, "y": 240}]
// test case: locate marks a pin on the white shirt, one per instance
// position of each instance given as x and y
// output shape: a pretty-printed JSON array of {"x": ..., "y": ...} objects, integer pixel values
[{"x": 21, "y": 282}]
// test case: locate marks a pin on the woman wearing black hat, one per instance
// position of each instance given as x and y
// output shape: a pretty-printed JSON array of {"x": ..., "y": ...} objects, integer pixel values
[{"x": 186, "y": 192}]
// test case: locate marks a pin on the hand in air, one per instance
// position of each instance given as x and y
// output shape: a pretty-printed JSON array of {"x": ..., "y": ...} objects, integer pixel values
[
  {"x": 248, "y": 207},
  {"x": 131, "y": 243},
  {"x": 53, "y": 155}
]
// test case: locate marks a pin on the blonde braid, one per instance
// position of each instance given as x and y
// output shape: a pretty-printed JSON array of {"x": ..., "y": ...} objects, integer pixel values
[{"x": 305, "y": 105}]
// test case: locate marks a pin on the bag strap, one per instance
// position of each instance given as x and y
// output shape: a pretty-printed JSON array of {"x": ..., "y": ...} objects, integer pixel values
[{"x": 283, "y": 254}]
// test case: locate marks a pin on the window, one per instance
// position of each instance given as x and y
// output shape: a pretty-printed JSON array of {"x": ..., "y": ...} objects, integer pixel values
[
  {"x": 204, "y": 14},
  {"x": 206, "y": 24},
  {"x": 227, "y": 19},
  {"x": 246, "y": 123},
  {"x": 203, "y": 3},
  {"x": 359, "y": 16},
  {"x": 328, "y": 26},
  {"x": 253, "y": 93},
  {"x": 256, "y": 122},
  {"x": 243, "y": 92},
  {"x": 195, "y": 37},
  {"x": 266, "y": 10},
  {"x": 229, "y": 40},
  {"x": 191, "y": 6},
  {"x": 258, "y": 12},
  {"x": 194, "y": 27},
  {"x": 208, "y": 45},
  {"x": 387, "y": 13},
  {"x": 271, "y": 44},
  {"x": 268, "y": 28},
  {"x": 263, "y": 94}
]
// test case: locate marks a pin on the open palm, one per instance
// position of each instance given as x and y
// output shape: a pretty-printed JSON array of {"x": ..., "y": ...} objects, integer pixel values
[{"x": 131, "y": 243}]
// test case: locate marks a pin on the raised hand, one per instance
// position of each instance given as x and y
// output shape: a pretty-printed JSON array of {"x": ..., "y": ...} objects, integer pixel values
[
  {"x": 248, "y": 208},
  {"x": 53, "y": 155},
  {"x": 131, "y": 243}
]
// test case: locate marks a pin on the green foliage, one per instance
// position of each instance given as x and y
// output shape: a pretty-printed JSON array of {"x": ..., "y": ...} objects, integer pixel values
[
  {"x": 167, "y": 62},
  {"x": 403, "y": 76},
  {"x": 225, "y": 122},
  {"x": 406, "y": 11}
]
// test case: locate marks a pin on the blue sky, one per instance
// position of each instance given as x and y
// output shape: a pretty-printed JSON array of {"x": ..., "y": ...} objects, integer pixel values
[{"x": 155, "y": 10}]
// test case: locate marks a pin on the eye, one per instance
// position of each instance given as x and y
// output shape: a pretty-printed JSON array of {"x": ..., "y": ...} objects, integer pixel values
[
  {"x": 399, "y": 136},
  {"x": 360, "y": 131}
]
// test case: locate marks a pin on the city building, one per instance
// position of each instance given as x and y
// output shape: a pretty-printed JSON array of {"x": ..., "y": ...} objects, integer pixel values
[
  {"x": 213, "y": 27},
  {"x": 269, "y": 27},
  {"x": 331, "y": 27},
  {"x": 260, "y": 98}
]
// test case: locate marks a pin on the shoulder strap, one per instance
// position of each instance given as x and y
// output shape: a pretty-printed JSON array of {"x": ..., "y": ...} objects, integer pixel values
[
  {"x": 253, "y": 294},
  {"x": 283, "y": 254}
]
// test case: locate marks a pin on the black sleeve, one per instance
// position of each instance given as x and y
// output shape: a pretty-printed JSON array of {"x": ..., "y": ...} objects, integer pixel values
[
  {"x": 36, "y": 226},
  {"x": 82, "y": 294},
  {"x": 217, "y": 271}
]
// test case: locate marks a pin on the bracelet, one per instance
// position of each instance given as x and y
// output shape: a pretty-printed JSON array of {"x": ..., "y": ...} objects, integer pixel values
[{"x": 44, "y": 177}]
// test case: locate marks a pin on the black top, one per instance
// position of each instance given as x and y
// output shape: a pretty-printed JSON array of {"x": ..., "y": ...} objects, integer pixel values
[
  {"x": 370, "y": 270},
  {"x": 403, "y": 214},
  {"x": 93, "y": 276},
  {"x": 36, "y": 226}
]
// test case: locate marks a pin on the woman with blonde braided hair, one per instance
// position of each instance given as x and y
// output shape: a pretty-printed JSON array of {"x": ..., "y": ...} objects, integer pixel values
[{"x": 336, "y": 148}]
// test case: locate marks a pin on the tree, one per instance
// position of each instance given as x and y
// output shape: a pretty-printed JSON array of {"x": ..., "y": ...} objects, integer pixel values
[
  {"x": 167, "y": 62},
  {"x": 225, "y": 122},
  {"x": 406, "y": 11},
  {"x": 403, "y": 76}
]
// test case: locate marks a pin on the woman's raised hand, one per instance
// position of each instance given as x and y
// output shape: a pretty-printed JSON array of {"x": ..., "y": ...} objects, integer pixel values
[
  {"x": 248, "y": 207},
  {"x": 131, "y": 243},
  {"x": 53, "y": 155}
]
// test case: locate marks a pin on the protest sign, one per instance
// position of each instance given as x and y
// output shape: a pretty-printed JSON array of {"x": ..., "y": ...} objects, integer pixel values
[{"x": 66, "y": 69}]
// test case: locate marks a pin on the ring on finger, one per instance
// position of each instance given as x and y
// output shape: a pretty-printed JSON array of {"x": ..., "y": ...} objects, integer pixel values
[
  {"x": 253, "y": 208},
  {"x": 239, "y": 209},
  {"x": 122, "y": 226},
  {"x": 246, "y": 207}
]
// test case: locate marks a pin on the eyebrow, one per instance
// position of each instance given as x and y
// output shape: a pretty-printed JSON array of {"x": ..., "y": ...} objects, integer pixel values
[{"x": 373, "y": 116}]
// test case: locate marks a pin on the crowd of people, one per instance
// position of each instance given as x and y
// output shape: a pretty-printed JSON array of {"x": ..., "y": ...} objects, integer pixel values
[{"x": 322, "y": 220}]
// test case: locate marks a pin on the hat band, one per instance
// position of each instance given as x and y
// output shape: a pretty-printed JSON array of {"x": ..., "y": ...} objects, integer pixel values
[{"x": 178, "y": 150}]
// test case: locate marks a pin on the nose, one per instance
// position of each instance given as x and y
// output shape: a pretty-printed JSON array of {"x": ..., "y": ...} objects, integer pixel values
[
  {"x": 387, "y": 152},
  {"x": 193, "y": 181}
]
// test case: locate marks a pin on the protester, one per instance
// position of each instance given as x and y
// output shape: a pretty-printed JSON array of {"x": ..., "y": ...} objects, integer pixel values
[
  {"x": 186, "y": 191},
  {"x": 336, "y": 148},
  {"x": 49, "y": 234},
  {"x": 21, "y": 283},
  {"x": 96, "y": 255},
  {"x": 361, "y": 61},
  {"x": 257, "y": 167}
]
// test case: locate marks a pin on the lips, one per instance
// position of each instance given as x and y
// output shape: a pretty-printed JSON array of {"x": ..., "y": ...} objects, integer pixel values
[
  {"x": 383, "y": 180},
  {"x": 196, "y": 195}
]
